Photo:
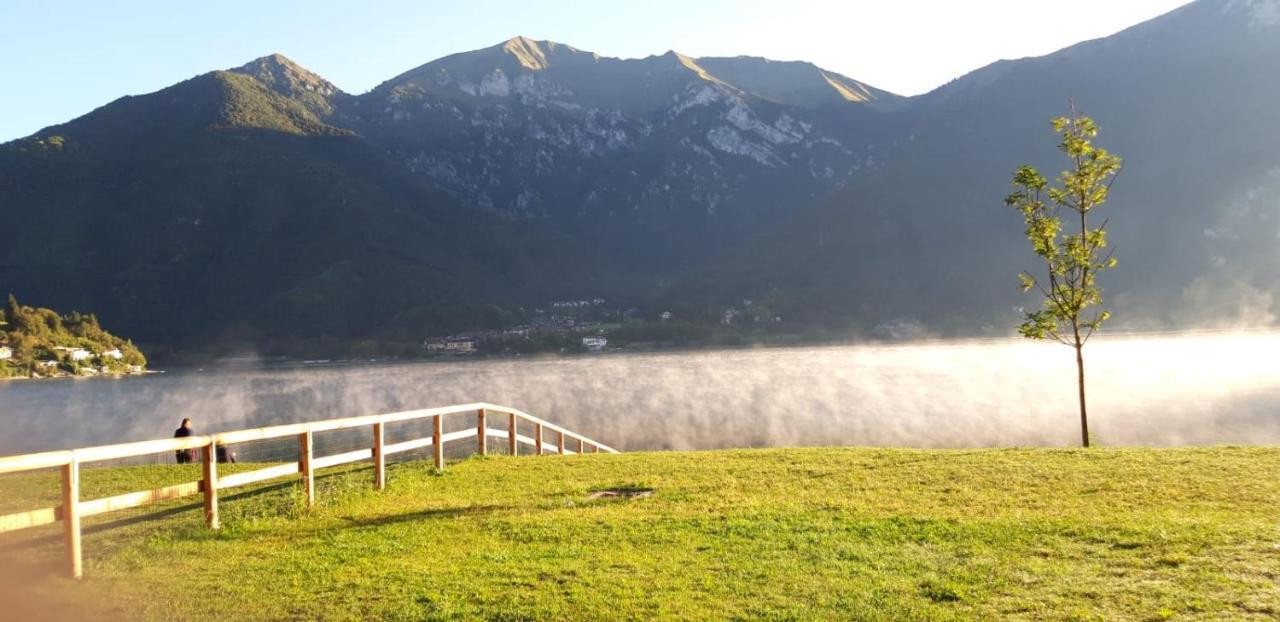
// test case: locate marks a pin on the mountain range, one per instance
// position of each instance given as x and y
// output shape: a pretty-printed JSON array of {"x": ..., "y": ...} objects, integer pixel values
[{"x": 264, "y": 203}]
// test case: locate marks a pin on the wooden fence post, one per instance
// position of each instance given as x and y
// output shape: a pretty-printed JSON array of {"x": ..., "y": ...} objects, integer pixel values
[
  {"x": 306, "y": 456},
  {"x": 436, "y": 444},
  {"x": 71, "y": 517},
  {"x": 209, "y": 459},
  {"x": 512, "y": 443},
  {"x": 483, "y": 444},
  {"x": 379, "y": 460},
  {"x": 73, "y": 508}
]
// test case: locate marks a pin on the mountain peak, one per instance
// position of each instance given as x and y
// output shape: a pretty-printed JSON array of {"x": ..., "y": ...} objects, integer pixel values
[
  {"x": 282, "y": 75},
  {"x": 278, "y": 59},
  {"x": 527, "y": 52},
  {"x": 537, "y": 55}
]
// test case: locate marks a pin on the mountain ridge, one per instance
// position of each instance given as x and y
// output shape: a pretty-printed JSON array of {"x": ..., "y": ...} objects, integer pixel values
[
  {"x": 481, "y": 183},
  {"x": 523, "y": 54},
  {"x": 1188, "y": 221}
]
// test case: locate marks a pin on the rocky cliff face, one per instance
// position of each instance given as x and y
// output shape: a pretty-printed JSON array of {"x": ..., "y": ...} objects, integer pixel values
[{"x": 659, "y": 158}]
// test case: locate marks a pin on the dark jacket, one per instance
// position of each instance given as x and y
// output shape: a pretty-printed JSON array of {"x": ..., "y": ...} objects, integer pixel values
[{"x": 184, "y": 456}]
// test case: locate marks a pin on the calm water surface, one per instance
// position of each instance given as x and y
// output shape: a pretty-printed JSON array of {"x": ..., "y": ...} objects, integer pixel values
[{"x": 1199, "y": 389}]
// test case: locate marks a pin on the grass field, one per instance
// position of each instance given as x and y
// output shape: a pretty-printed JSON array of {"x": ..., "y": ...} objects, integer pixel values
[{"x": 794, "y": 534}]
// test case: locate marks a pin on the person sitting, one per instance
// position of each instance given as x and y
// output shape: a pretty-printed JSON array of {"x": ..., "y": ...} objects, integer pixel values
[{"x": 185, "y": 456}]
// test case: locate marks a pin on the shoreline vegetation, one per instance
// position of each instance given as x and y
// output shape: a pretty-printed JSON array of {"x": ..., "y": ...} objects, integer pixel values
[{"x": 39, "y": 343}]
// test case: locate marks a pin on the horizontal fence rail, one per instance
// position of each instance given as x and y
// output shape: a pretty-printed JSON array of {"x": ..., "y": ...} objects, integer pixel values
[{"x": 73, "y": 508}]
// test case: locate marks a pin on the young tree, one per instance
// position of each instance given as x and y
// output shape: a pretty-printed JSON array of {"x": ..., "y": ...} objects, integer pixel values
[
  {"x": 1073, "y": 258},
  {"x": 14, "y": 310}
]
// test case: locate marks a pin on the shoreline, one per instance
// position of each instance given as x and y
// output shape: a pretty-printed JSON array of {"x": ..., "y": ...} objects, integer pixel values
[
  {"x": 82, "y": 377},
  {"x": 282, "y": 362}
]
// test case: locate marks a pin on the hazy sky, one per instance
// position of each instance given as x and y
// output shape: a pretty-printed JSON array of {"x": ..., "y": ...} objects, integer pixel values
[{"x": 59, "y": 60}]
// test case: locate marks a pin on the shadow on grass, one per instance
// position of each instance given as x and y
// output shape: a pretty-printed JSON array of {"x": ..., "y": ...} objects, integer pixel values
[
  {"x": 183, "y": 507},
  {"x": 421, "y": 515},
  {"x": 41, "y": 562}
]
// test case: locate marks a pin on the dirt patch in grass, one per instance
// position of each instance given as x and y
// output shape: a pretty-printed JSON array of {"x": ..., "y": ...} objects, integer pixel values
[{"x": 623, "y": 492}]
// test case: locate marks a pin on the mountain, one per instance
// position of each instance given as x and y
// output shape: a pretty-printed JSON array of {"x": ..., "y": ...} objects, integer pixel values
[
  {"x": 263, "y": 203},
  {"x": 1186, "y": 99},
  {"x": 226, "y": 210},
  {"x": 661, "y": 160}
]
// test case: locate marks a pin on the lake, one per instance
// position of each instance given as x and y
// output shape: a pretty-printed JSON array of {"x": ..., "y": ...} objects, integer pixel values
[{"x": 1189, "y": 389}]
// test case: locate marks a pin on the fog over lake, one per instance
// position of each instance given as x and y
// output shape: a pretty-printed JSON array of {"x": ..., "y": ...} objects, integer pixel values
[{"x": 1193, "y": 389}]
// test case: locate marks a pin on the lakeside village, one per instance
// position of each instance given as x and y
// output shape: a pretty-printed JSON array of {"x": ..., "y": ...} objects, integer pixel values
[
  {"x": 40, "y": 343},
  {"x": 593, "y": 326}
]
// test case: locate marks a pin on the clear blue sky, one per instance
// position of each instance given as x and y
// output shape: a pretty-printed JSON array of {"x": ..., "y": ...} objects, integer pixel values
[{"x": 59, "y": 60}]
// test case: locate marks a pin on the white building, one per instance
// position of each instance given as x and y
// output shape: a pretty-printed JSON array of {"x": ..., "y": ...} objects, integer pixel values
[
  {"x": 75, "y": 354},
  {"x": 113, "y": 353},
  {"x": 461, "y": 346},
  {"x": 595, "y": 344},
  {"x": 6, "y": 353}
]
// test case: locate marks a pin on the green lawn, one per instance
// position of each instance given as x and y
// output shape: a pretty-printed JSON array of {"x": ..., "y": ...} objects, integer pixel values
[{"x": 863, "y": 534}]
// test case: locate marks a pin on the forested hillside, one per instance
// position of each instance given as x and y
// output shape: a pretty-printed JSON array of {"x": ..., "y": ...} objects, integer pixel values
[
  {"x": 40, "y": 343},
  {"x": 261, "y": 207}
]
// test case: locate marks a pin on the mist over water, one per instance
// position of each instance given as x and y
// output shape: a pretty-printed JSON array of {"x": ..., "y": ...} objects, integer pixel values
[{"x": 1191, "y": 389}]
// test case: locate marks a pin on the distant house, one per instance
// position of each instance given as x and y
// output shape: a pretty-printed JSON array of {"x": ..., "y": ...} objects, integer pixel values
[
  {"x": 461, "y": 346},
  {"x": 595, "y": 343},
  {"x": 451, "y": 345},
  {"x": 113, "y": 353},
  {"x": 75, "y": 354},
  {"x": 48, "y": 364},
  {"x": 6, "y": 353}
]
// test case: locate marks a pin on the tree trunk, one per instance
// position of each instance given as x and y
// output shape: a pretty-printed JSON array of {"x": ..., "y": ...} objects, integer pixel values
[{"x": 1084, "y": 417}]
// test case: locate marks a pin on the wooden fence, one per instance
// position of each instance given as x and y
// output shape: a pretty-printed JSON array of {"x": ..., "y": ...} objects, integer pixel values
[{"x": 73, "y": 508}]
